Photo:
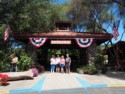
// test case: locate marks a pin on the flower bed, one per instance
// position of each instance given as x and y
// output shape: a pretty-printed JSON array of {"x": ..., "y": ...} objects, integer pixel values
[
  {"x": 3, "y": 79},
  {"x": 35, "y": 72}
]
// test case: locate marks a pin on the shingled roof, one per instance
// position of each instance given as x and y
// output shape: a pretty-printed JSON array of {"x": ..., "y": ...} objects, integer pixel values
[{"x": 65, "y": 34}]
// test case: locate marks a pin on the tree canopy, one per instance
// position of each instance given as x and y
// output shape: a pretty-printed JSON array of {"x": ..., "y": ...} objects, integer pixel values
[
  {"x": 28, "y": 15},
  {"x": 95, "y": 15},
  {"x": 89, "y": 15}
]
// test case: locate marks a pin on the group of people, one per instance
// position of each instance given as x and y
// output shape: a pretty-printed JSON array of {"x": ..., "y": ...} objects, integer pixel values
[{"x": 58, "y": 63}]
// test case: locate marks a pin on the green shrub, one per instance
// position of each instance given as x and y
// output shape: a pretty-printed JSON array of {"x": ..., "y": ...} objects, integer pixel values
[
  {"x": 4, "y": 62},
  {"x": 79, "y": 70},
  {"x": 24, "y": 62},
  {"x": 89, "y": 69},
  {"x": 99, "y": 59},
  {"x": 99, "y": 63}
]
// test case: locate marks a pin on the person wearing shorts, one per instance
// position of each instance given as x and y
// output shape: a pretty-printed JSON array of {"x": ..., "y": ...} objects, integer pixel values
[
  {"x": 57, "y": 63},
  {"x": 62, "y": 64},
  {"x": 52, "y": 63}
]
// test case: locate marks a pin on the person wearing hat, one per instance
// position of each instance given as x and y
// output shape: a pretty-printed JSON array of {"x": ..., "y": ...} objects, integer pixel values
[
  {"x": 62, "y": 64},
  {"x": 14, "y": 63}
]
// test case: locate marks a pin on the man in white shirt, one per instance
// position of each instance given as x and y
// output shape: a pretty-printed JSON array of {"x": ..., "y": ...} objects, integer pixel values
[
  {"x": 52, "y": 63},
  {"x": 57, "y": 63}
]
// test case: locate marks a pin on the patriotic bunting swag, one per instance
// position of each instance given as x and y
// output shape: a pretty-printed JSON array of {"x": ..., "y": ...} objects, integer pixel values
[
  {"x": 84, "y": 42},
  {"x": 37, "y": 42}
]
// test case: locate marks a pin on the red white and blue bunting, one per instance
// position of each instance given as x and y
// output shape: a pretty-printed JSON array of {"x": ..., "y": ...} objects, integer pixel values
[
  {"x": 84, "y": 42},
  {"x": 37, "y": 42}
]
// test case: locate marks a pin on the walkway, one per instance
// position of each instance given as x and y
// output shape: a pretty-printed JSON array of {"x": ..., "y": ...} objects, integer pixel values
[
  {"x": 57, "y": 83},
  {"x": 60, "y": 81}
]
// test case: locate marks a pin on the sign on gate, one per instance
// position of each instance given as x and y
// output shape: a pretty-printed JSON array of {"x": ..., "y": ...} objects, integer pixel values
[{"x": 60, "y": 41}]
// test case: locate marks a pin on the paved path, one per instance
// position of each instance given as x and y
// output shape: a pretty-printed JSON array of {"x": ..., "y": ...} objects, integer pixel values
[
  {"x": 57, "y": 83},
  {"x": 60, "y": 81}
]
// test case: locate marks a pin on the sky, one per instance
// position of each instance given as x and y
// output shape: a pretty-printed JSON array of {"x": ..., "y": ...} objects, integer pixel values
[{"x": 60, "y": 1}]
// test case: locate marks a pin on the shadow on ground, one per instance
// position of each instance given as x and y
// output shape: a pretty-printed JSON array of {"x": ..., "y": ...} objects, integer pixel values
[
  {"x": 116, "y": 74},
  {"x": 105, "y": 90}
]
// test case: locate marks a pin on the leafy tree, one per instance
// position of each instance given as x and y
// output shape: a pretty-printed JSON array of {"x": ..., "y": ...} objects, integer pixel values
[
  {"x": 89, "y": 15},
  {"x": 97, "y": 16},
  {"x": 27, "y": 15}
]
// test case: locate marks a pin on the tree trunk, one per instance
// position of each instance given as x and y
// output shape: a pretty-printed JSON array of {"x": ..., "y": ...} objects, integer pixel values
[{"x": 91, "y": 52}]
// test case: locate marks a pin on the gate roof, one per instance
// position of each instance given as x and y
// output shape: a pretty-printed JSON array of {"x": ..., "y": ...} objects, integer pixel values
[{"x": 64, "y": 34}]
